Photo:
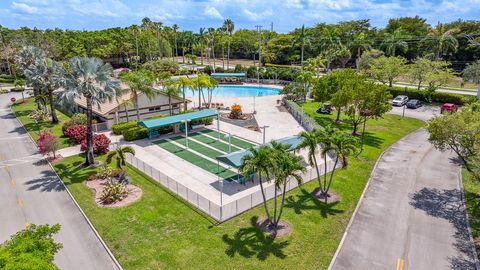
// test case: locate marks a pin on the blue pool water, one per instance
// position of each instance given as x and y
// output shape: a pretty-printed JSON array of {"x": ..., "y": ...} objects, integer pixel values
[{"x": 240, "y": 91}]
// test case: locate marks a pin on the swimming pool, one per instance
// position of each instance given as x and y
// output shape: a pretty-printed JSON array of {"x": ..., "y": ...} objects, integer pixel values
[{"x": 240, "y": 91}]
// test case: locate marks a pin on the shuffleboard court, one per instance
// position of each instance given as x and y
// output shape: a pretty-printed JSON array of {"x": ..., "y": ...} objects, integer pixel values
[
  {"x": 204, "y": 150},
  {"x": 235, "y": 141},
  {"x": 220, "y": 145}
]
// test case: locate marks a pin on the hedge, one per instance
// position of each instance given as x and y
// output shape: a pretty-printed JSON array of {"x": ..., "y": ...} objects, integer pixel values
[
  {"x": 119, "y": 128},
  {"x": 440, "y": 97},
  {"x": 135, "y": 133}
]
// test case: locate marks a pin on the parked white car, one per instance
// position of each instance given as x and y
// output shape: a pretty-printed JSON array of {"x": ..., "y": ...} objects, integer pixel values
[{"x": 400, "y": 100}]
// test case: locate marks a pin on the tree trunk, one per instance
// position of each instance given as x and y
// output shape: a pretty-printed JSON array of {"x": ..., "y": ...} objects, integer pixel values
[
  {"x": 228, "y": 53},
  {"x": 184, "y": 100},
  {"x": 199, "y": 98},
  {"x": 135, "y": 97},
  {"x": 170, "y": 104},
  {"x": 274, "y": 221},
  {"x": 213, "y": 55},
  {"x": 126, "y": 112},
  {"x": 324, "y": 191},
  {"x": 23, "y": 95},
  {"x": 331, "y": 174},
  {"x": 201, "y": 56},
  {"x": 282, "y": 203},
  {"x": 36, "y": 92},
  {"x": 223, "y": 57},
  {"x": 264, "y": 198},
  {"x": 52, "y": 107},
  {"x": 301, "y": 56},
  {"x": 355, "y": 128},
  {"x": 89, "y": 152},
  {"x": 390, "y": 82},
  {"x": 318, "y": 173},
  {"x": 339, "y": 110}
]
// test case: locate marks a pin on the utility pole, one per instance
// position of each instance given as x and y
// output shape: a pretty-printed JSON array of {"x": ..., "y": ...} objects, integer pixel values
[
  {"x": 259, "y": 30},
  {"x": 271, "y": 27}
]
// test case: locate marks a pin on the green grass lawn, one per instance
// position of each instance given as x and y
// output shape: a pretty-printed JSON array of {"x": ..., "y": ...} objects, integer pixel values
[
  {"x": 472, "y": 191},
  {"x": 22, "y": 110},
  {"x": 162, "y": 232}
]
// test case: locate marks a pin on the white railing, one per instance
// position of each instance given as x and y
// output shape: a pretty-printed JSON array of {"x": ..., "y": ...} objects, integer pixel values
[
  {"x": 213, "y": 209},
  {"x": 307, "y": 122}
]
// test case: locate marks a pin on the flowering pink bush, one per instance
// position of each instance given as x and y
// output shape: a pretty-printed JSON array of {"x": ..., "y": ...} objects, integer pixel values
[
  {"x": 78, "y": 133},
  {"x": 100, "y": 144},
  {"x": 47, "y": 142}
]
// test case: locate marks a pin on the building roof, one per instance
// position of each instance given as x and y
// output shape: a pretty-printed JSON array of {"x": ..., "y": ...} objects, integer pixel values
[
  {"x": 226, "y": 75},
  {"x": 179, "y": 118},
  {"x": 108, "y": 106},
  {"x": 234, "y": 159}
]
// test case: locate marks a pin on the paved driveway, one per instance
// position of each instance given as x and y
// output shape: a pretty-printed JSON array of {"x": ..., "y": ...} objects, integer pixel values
[
  {"x": 30, "y": 192},
  {"x": 412, "y": 215}
]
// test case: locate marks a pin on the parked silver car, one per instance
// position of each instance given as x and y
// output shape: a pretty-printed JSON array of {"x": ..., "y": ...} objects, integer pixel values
[{"x": 400, "y": 100}]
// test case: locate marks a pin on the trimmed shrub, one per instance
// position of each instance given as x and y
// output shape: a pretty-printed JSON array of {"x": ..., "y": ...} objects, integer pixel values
[
  {"x": 135, "y": 133},
  {"x": 119, "y": 128},
  {"x": 100, "y": 144},
  {"x": 208, "y": 70},
  {"x": 77, "y": 132},
  {"x": 440, "y": 97}
]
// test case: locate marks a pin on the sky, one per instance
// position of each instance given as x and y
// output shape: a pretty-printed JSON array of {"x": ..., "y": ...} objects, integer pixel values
[{"x": 193, "y": 14}]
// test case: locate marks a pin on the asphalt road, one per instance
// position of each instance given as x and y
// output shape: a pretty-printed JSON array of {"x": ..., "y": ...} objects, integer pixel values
[
  {"x": 30, "y": 192},
  {"x": 412, "y": 215}
]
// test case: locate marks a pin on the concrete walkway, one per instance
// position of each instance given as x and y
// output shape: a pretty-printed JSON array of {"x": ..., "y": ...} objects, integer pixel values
[
  {"x": 31, "y": 192},
  {"x": 412, "y": 215}
]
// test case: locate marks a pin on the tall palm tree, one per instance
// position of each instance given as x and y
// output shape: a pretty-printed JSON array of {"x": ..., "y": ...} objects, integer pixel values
[
  {"x": 330, "y": 42},
  {"x": 258, "y": 162},
  {"x": 175, "y": 28},
  {"x": 125, "y": 103},
  {"x": 229, "y": 26},
  {"x": 27, "y": 57},
  {"x": 311, "y": 141},
  {"x": 49, "y": 76},
  {"x": 184, "y": 83},
  {"x": 211, "y": 40},
  {"x": 199, "y": 83},
  {"x": 119, "y": 155},
  {"x": 91, "y": 79},
  {"x": 139, "y": 82},
  {"x": 442, "y": 40},
  {"x": 360, "y": 43},
  {"x": 201, "y": 40},
  {"x": 302, "y": 38},
  {"x": 171, "y": 89},
  {"x": 286, "y": 166},
  {"x": 395, "y": 42},
  {"x": 341, "y": 146}
]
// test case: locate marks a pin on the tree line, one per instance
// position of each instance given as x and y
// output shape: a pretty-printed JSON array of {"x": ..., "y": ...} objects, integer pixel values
[{"x": 341, "y": 44}]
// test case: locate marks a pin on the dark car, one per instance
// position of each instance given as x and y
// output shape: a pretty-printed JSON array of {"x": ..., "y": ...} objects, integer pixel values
[
  {"x": 448, "y": 107},
  {"x": 414, "y": 103},
  {"x": 326, "y": 109}
]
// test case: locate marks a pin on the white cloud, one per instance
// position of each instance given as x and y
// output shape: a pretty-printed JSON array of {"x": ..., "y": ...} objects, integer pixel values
[
  {"x": 105, "y": 8},
  {"x": 22, "y": 7},
  {"x": 257, "y": 16},
  {"x": 212, "y": 12},
  {"x": 330, "y": 4}
]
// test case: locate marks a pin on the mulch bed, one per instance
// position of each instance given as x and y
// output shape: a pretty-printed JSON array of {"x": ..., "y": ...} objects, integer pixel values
[
  {"x": 134, "y": 193},
  {"x": 55, "y": 160},
  {"x": 332, "y": 196},
  {"x": 248, "y": 121},
  {"x": 284, "y": 228}
]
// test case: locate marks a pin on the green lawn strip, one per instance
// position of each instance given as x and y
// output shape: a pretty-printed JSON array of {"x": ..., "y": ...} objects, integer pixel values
[
  {"x": 195, "y": 159},
  {"x": 472, "y": 189},
  {"x": 22, "y": 110},
  {"x": 235, "y": 141},
  {"x": 162, "y": 232},
  {"x": 204, "y": 150},
  {"x": 221, "y": 145}
]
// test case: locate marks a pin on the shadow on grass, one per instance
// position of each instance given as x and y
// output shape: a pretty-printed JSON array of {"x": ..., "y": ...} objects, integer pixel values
[
  {"x": 306, "y": 201},
  {"x": 448, "y": 204},
  {"x": 74, "y": 172},
  {"x": 252, "y": 242}
]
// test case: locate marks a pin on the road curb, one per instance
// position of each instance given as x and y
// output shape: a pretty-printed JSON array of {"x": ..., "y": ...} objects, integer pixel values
[
  {"x": 469, "y": 229},
  {"x": 332, "y": 262},
  {"x": 74, "y": 201}
]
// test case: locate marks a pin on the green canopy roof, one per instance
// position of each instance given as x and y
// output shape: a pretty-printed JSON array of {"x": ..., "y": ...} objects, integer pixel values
[
  {"x": 179, "y": 118},
  {"x": 234, "y": 159},
  {"x": 225, "y": 75}
]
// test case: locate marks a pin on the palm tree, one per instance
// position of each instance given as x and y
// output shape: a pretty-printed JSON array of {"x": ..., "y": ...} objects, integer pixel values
[
  {"x": 330, "y": 42},
  {"x": 286, "y": 166},
  {"x": 171, "y": 88},
  {"x": 199, "y": 83},
  {"x": 211, "y": 40},
  {"x": 139, "y": 82},
  {"x": 184, "y": 82},
  {"x": 210, "y": 84},
  {"x": 47, "y": 75},
  {"x": 311, "y": 141},
  {"x": 442, "y": 40},
  {"x": 27, "y": 57},
  {"x": 341, "y": 146},
  {"x": 394, "y": 42},
  {"x": 305, "y": 79},
  {"x": 119, "y": 155},
  {"x": 259, "y": 162},
  {"x": 201, "y": 40},
  {"x": 125, "y": 103},
  {"x": 360, "y": 43},
  {"x": 302, "y": 38},
  {"x": 472, "y": 73},
  {"x": 91, "y": 79},
  {"x": 229, "y": 26},
  {"x": 175, "y": 30},
  {"x": 315, "y": 64}
]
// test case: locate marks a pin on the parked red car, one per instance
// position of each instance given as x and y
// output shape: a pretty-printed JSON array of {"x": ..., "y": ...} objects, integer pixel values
[{"x": 448, "y": 107}]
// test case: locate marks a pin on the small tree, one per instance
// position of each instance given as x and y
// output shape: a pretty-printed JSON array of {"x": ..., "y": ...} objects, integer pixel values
[
  {"x": 20, "y": 84},
  {"x": 119, "y": 155},
  {"x": 388, "y": 69},
  {"x": 472, "y": 74},
  {"x": 33, "y": 248},
  {"x": 47, "y": 142}
]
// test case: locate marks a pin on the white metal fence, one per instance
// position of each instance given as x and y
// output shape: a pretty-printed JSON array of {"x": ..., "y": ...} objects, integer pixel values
[
  {"x": 300, "y": 115},
  {"x": 213, "y": 209}
]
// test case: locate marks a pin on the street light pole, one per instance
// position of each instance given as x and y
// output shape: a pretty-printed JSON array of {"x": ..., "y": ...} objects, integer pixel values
[
  {"x": 186, "y": 132},
  {"x": 229, "y": 141},
  {"x": 264, "y": 129}
]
